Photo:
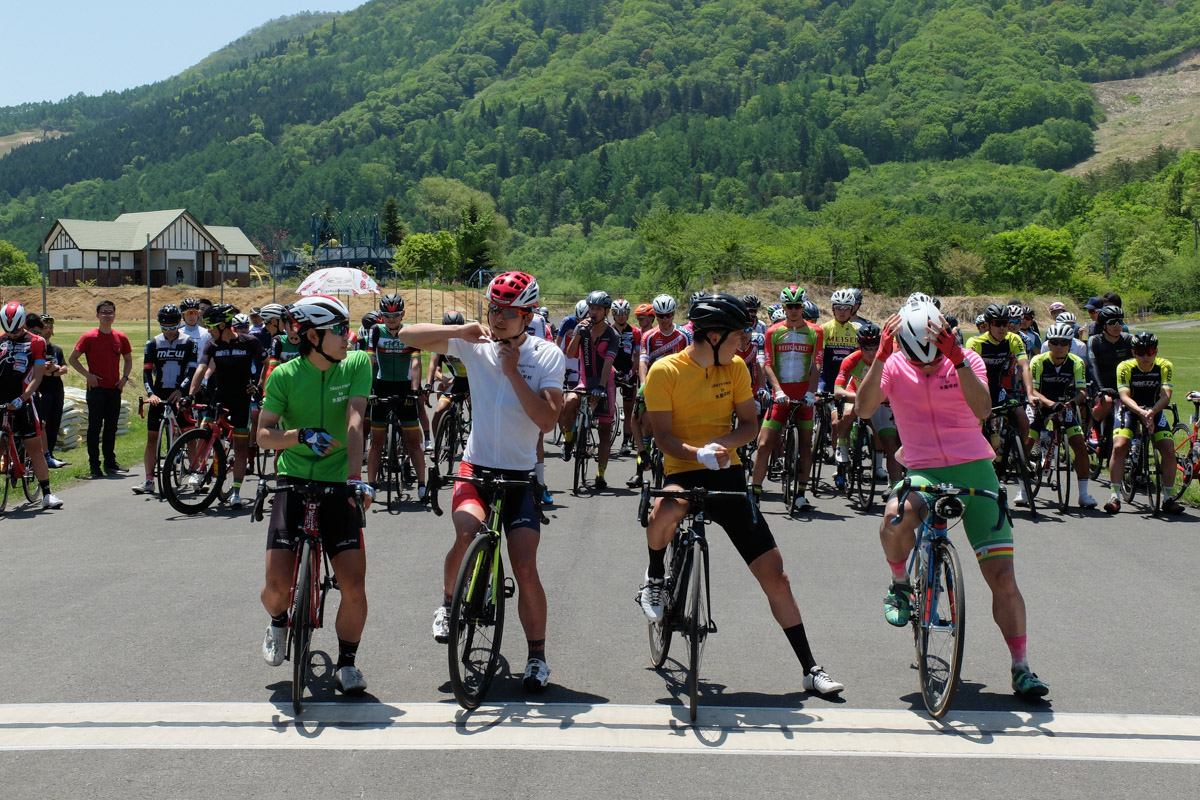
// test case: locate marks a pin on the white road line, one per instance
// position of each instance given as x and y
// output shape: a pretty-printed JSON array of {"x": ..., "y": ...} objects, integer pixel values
[{"x": 616, "y": 728}]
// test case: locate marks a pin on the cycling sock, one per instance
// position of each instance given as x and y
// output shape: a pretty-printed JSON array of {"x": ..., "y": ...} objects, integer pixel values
[
  {"x": 658, "y": 563},
  {"x": 446, "y": 601},
  {"x": 1083, "y": 486},
  {"x": 1016, "y": 646},
  {"x": 1117, "y": 488},
  {"x": 843, "y": 441},
  {"x": 279, "y": 620},
  {"x": 45, "y": 487},
  {"x": 799, "y": 642},
  {"x": 539, "y": 470},
  {"x": 600, "y": 470},
  {"x": 899, "y": 571},
  {"x": 568, "y": 436},
  {"x": 537, "y": 648},
  {"x": 756, "y": 488},
  {"x": 801, "y": 489},
  {"x": 346, "y": 653},
  {"x": 237, "y": 485},
  {"x": 879, "y": 459}
]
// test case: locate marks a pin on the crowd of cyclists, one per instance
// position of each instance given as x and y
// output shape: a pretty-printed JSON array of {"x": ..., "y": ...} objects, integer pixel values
[{"x": 696, "y": 398}]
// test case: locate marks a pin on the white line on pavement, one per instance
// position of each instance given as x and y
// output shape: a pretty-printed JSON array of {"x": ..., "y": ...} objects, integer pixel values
[{"x": 608, "y": 727}]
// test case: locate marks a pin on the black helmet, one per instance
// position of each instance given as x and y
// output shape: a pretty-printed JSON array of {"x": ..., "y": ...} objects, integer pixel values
[
  {"x": 752, "y": 302},
  {"x": 951, "y": 322},
  {"x": 1147, "y": 340},
  {"x": 190, "y": 304},
  {"x": 1110, "y": 314},
  {"x": 868, "y": 334},
  {"x": 215, "y": 315},
  {"x": 391, "y": 303},
  {"x": 995, "y": 313},
  {"x": 599, "y": 298},
  {"x": 169, "y": 315},
  {"x": 719, "y": 312},
  {"x": 811, "y": 311},
  {"x": 370, "y": 319},
  {"x": 453, "y": 318}
]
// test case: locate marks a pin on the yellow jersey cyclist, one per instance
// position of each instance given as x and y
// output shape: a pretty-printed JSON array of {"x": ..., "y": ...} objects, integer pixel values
[
  {"x": 452, "y": 383},
  {"x": 939, "y": 395},
  {"x": 1144, "y": 387},
  {"x": 1059, "y": 384},
  {"x": 397, "y": 374},
  {"x": 691, "y": 398},
  {"x": 313, "y": 414}
]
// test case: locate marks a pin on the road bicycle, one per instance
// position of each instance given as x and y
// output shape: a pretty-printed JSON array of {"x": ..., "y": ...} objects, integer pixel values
[
  {"x": 1102, "y": 443},
  {"x": 1013, "y": 461},
  {"x": 195, "y": 468},
  {"x": 453, "y": 428},
  {"x": 477, "y": 609},
  {"x": 822, "y": 439},
  {"x": 395, "y": 466},
  {"x": 587, "y": 444},
  {"x": 657, "y": 477},
  {"x": 176, "y": 420},
  {"x": 1187, "y": 447},
  {"x": 939, "y": 601},
  {"x": 16, "y": 467},
  {"x": 312, "y": 577},
  {"x": 1055, "y": 459},
  {"x": 687, "y": 600},
  {"x": 789, "y": 477},
  {"x": 1142, "y": 467},
  {"x": 857, "y": 476}
]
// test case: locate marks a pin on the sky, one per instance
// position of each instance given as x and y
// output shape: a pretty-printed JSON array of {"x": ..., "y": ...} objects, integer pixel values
[{"x": 55, "y": 48}]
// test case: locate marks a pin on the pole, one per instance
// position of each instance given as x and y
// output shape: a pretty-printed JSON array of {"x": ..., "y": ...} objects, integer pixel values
[
  {"x": 148, "y": 286},
  {"x": 221, "y": 273},
  {"x": 274, "y": 271},
  {"x": 46, "y": 271}
]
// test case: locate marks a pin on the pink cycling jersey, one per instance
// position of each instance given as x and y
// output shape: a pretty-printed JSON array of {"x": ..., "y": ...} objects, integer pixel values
[{"x": 935, "y": 423}]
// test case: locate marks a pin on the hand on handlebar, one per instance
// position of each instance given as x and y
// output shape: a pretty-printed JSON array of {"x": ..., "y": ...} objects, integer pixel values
[{"x": 364, "y": 489}]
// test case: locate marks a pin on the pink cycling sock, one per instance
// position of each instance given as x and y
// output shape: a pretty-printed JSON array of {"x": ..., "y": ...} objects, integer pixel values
[
  {"x": 899, "y": 571},
  {"x": 1016, "y": 646}
]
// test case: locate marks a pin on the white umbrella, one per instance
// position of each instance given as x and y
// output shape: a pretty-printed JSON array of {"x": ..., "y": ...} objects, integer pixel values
[{"x": 338, "y": 280}]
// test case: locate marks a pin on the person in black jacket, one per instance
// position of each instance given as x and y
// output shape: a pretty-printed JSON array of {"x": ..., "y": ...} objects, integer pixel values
[{"x": 50, "y": 392}]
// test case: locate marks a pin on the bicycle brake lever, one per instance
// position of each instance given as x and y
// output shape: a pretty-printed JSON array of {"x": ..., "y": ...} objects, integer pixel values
[
  {"x": 1002, "y": 505},
  {"x": 901, "y": 498}
]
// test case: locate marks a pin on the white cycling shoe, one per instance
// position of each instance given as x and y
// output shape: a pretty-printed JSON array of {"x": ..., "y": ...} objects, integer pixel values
[
  {"x": 274, "y": 645},
  {"x": 350, "y": 680}
]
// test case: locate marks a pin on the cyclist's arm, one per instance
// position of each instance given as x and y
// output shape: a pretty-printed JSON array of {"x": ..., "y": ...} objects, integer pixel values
[
  {"x": 435, "y": 373},
  {"x": 415, "y": 373},
  {"x": 870, "y": 393},
  {"x": 572, "y": 348},
  {"x": 356, "y": 410},
  {"x": 1026, "y": 376},
  {"x": 643, "y": 367},
  {"x": 606, "y": 370},
  {"x": 39, "y": 369},
  {"x": 975, "y": 391},
  {"x": 435, "y": 338},
  {"x": 273, "y": 438},
  {"x": 747, "y": 427},
  {"x": 772, "y": 378},
  {"x": 149, "y": 358}
]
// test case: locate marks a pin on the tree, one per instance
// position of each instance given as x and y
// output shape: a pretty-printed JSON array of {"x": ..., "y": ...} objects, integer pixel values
[
  {"x": 1034, "y": 257},
  {"x": 15, "y": 269},
  {"x": 392, "y": 229},
  {"x": 427, "y": 255}
]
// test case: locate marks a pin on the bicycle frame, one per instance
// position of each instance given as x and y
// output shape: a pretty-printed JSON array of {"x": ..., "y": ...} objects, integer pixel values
[{"x": 14, "y": 465}]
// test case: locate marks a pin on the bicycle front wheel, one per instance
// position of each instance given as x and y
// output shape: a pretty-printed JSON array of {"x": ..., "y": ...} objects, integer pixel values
[
  {"x": 863, "y": 459},
  {"x": 582, "y": 428},
  {"x": 445, "y": 442},
  {"x": 820, "y": 448},
  {"x": 166, "y": 438},
  {"x": 193, "y": 471},
  {"x": 790, "y": 478},
  {"x": 941, "y": 629},
  {"x": 29, "y": 481},
  {"x": 660, "y": 632},
  {"x": 301, "y": 623},
  {"x": 5, "y": 469},
  {"x": 1186, "y": 455},
  {"x": 697, "y": 622},
  {"x": 1064, "y": 472},
  {"x": 476, "y": 622},
  {"x": 1153, "y": 473},
  {"x": 1028, "y": 471}
]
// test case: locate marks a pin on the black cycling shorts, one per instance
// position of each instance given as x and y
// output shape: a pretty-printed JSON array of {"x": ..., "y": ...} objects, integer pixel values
[
  {"x": 336, "y": 519},
  {"x": 459, "y": 387},
  {"x": 25, "y": 422},
  {"x": 749, "y": 533}
]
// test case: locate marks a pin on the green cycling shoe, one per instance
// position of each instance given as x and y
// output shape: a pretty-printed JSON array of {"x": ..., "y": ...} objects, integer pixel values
[
  {"x": 897, "y": 606},
  {"x": 1028, "y": 685}
]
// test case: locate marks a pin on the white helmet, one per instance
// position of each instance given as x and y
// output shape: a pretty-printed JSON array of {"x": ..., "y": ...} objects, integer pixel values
[
  {"x": 12, "y": 317},
  {"x": 317, "y": 312},
  {"x": 924, "y": 298},
  {"x": 664, "y": 304},
  {"x": 1060, "y": 330},
  {"x": 913, "y": 339},
  {"x": 271, "y": 311},
  {"x": 581, "y": 309},
  {"x": 620, "y": 308},
  {"x": 241, "y": 320},
  {"x": 1067, "y": 317},
  {"x": 778, "y": 315},
  {"x": 842, "y": 297}
]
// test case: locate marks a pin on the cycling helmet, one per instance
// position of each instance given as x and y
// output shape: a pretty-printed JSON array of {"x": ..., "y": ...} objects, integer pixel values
[
  {"x": 664, "y": 304},
  {"x": 758, "y": 340},
  {"x": 1066, "y": 316},
  {"x": 581, "y": 309},
  {"x": 924, "y": 298},
  {"x": 12, "y": 317},
  {"x": 1027, "y": 311},
  {"x": 271, "y": 311},
  {"x": 241, "y": 321},
  {"x": 513, "y": 290},
  {"x": 370, "y": 319},
  {"x": 599, "y": 298},
  {"x": 316, "y": 313},
  {"x": 1057, "y": 307},
  {"x": 1145, "y": 339},
  {"x": 391, "y": 303},
  {"x": 752, "y": 302},
  {"x": 1110, "y": 314},
  {"x": 643, "y": 309},
  {"x": 170, "y": 315},
  {"x": 1060, "y": 330},
  {"x": 980, "y": 320},
  {"x": 620, "y": 308},
  {"x": 696, "y": 296},
  {"x": 719, "y": 312},
  {"x": 842, "y": 297},
  {"x": 453, "y": 318},
  {"x": 544, "y": 312},
  {"x": 220, "y": 313},
  {"x": 189, "y": 304},
  {"x": 793, "y": 295},
  {"x": 868, "y": 334},
  {"x": 1016, "y": 311},
  {"x": 811, "y": 312},
  {"x": 912, "y": 336},
  {"x": 778, "y": 315},
  {"x": 995, "y": 313}
]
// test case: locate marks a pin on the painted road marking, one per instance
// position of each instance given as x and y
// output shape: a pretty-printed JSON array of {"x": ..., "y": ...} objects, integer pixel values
[{"x": 623, "y": 728}]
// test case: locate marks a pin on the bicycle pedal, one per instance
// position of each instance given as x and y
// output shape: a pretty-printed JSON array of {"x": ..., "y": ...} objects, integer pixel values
[
  {"x": 510, "y": 588},
  {"x": 333, "y": 583}
]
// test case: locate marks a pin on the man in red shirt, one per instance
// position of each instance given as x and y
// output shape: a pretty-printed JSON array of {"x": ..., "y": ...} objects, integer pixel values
[{"x": 109, "y": 362}]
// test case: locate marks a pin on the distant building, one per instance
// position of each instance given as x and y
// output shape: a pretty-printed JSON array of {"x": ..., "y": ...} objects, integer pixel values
[{"x": 115, "y": 253}]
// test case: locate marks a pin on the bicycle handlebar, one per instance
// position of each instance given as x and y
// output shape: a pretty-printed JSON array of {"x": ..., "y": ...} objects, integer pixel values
[
  {"x": 950, "y": 490},
  {"x": 697, "y": 495},
  {"x": 436, "y": 481},
  {"x": 311, "y": 490}
]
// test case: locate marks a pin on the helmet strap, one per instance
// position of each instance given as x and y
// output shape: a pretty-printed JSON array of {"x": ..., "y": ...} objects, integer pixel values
[{"x": 716, "y": 348}]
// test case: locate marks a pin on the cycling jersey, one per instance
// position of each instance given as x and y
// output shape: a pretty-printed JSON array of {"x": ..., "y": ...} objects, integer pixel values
[
  {"x": 1078, "y": 348},
  {"x": 282, "y": 351},
  {"x": 701, "y": 401},
  {"x": 1145, "y": 387},
  {"x": 1058, "y": 383},
  {"x": 852, "y": 371},
  {"x": 393, "y": 358},
  {"x": 1103, "y": 357},
  {"x": 538, "y": 327},
  {"x": 594, "y": 352},
  {"x": 198, "y": 334},
  {"x": 168, "y": 365},
  {"x": 564, "y": 335},
  {"x": 17, "y": 360},
  {"x": 631, "y": 340},
  {"x": 657, "y": 344},
  {"x": 236, "y": 363},
  {"x": 1031, "y": 340},
  {"x": 1000, "y": 358},
  {"x": 306, "y": 397},
  {"x": 753, "y": 357},
  {"x": 840, "y": 340},
  {"x": 790, "y": 352},
  {"x": 452, "y": 364}
]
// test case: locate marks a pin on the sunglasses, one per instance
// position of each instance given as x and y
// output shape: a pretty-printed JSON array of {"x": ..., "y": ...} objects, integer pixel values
[
  {"x": 800, "y": 306},
  {"x": 1059, "y": 342},
  {"x": 1115, "y": 322},
  {"x": 843, "y": 308},
  {"x": 664, "y": 316},
  {"x": 1001, "y": 324},
  {"x": 504, "y": 311},
  {"x": 169, "y": 328},
  {"x": 337, "y": 328},
  {"x": 1145, "y": 351}
]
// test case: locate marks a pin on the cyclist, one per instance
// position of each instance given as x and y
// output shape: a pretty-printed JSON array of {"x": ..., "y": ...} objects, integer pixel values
[
  {"x": 854, "y": 367},
  {"x": 690, "y": 399},
  {"x": 565, "y": 330},
  {"x": 168, "y": 360},
  {"x": 22, "y": 363},
  {"x": 623, "y": 366},
  {"x": 1105, "y": 351},
  {"x": 1058, "y": 383},
  {"x": 190, "y": 307},
  {"x": 811, "y": 313},
  {"x": 1028, "y": 331},
  {"x": 753, "y": 305},
  {"x": 50, "y": 391},
  {"x": 369, "y": 320},
  {"x": 395, "y": 376},
  {"x": 1078, "y": 345},
  {"x": 597, "y": 352},
  {"x": 233, "y": 358},
  {"x": 840, "y": 337},
  {"x": 452, "y": 387},
  {"x": 313, "y": 413},
  {"x": 662, "y": 341},
  {"x": 1144, "y": 386},
  {"x": 517, "y": 394},
  {"x": 939, "y": 395},
  {"x": 856, "y": 296}
]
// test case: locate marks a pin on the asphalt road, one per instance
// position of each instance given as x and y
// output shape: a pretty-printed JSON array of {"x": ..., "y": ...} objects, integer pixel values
[{"x": 147, "y": 625}]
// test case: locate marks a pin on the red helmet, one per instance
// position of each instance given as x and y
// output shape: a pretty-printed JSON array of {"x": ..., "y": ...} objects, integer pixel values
[
  {"x": 513, "y": 289},
  {"x": 12, "y": 317}
]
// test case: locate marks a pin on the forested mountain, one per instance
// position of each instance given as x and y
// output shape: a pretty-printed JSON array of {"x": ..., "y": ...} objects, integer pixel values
[{"x": 579, "y": 118}]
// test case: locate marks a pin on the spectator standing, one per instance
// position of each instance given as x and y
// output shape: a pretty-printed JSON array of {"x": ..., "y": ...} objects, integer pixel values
[
  {"x": 50, "y": 392},
  {"x": 109, "y": 363}
]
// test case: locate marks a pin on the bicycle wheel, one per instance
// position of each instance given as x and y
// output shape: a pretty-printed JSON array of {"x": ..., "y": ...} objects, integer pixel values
[
  {"x": 445, "y": 442},
  {"x": 1028, "y": 473},
  {"x": 1064, "y": 475},
  {"x": 193, "y": 471},
  {"x": 476, "y": 622},
  {"x": 1186, "y": 454},
  {"x": 582, "y": 429},
  {"x": 697, "y": 614},
  {"x": 660, "y": 632},
  {"x": 1131, "y": 475},
  {"x": 29, "y": 481},
  {"x": 942, "y": 629},
  {"x": 390, "y": 456},
  {"x": 863, "y": 457},
  {"x": 301, "y": 623},
  {"x": 4, "y": 472},
  {"x": 166, "y": 438},
  {"x": 789, "y": 478},
  {"x": 1152, "y": 471},
  {"x": 820, "y": 447}
]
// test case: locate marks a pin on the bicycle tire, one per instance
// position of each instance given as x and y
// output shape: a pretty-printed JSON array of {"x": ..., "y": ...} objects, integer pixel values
[
  {"x": 166, "y": 438},
  {"x": 697, "y": 615},
  {"x": 1153, "y": 473},
  {"x": 301, "y": 623},
  {"x": 393, "y": 462},
  {"x": 789, "y": 478},
  {"x": 864, "y": 474},
  {"x": 208, "y": 467},
  {"x": 1186, "y": 454},
  {"x": 579, "y": 470},
  {"x": 476, "y": 623},
  {"x": 1130, "y": 476},
  {"x": 1064, "y": 474},
  {"x": 29, "y": 481},
  {"x": 660, "y": 632},
  {"x": 1028, "y": 473},
  {"x": 445, "y": 441},
  {"x": 820, "y": 446},
  {"x": 939, "y": 657},
  {"x": 5, "y": 468}
]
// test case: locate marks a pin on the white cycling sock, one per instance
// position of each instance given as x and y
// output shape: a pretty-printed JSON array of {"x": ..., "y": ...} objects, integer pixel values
[{"x": 540, "y": 471}]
